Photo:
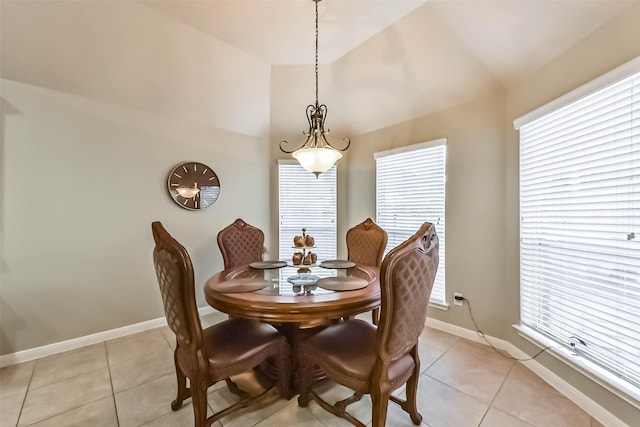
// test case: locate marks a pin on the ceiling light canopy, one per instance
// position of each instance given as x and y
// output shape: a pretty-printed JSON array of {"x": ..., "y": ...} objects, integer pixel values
[{"x": 316, "y": 155}]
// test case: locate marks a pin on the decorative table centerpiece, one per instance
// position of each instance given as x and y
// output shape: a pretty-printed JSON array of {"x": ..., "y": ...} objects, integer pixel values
[{"x": 304, "y": 242}]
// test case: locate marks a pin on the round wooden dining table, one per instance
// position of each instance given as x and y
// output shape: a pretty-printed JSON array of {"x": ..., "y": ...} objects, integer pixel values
[
  {"x": 296, "y": 300},
  {"x": 289, "y": 295}
]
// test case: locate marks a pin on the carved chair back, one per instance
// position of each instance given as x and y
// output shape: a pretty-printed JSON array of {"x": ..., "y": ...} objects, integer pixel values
[
  {"x": 366, "y": 243},
  {"x": 176, "y": 280},
  {"x": 406, "y": 281},
  {"x": 240, "y": 244}
]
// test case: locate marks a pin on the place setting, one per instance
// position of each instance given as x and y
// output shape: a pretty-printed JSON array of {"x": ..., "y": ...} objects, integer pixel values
[
  {"x": 342, "y": 283},
  {"x": 337, "y": 263},
  {"x": 268, "y": 265},
  {"x": 248, "y": 284}
]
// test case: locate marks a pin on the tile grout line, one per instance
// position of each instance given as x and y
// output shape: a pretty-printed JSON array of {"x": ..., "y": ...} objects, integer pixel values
[
  {"x": 496, "y": 395},
  {"x": 424, "y": 371},
  {"x": 26, "y": 392},
  {"x": 113, "y": 394},
  {"x": 497, "y": 392},
  {"x": 42, "y": 386}
]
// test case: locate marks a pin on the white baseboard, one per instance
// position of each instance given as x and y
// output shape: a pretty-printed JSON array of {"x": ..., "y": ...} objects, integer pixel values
[
  {"x": 72, "y": 344},
  {"x": 576, "y": 396}
]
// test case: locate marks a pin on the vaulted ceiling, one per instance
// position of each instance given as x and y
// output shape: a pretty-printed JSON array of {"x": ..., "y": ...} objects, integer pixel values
[
  {"x": 247, "y": 65},
  {"x": 394, "y": 60},
  {"x": 510, "y": 37}
]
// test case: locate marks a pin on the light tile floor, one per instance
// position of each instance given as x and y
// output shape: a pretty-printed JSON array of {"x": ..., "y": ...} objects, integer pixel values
[{"x": 130, "y": 382}]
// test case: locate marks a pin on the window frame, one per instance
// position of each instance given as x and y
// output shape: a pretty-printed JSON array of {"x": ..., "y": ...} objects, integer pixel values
[
  {"x": 606, "y": 378},
  {"x": 325, "y": 249},
  {"x": 440, "y": 222}
]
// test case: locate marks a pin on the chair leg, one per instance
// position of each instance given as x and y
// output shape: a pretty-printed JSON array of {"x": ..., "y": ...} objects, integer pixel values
[
  {"x": 380, "y": 402},
  {"x": 182, "y": 385},
  {"x": 409, "y": 405},
  {"x": 411, "y": 390},
  {"x": 412, "y": 393},
  {"x": 199, "y": 402}
]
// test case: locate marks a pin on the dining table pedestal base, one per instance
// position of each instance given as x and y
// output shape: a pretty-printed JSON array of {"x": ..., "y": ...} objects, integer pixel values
[{"x": 294, "y": 332}]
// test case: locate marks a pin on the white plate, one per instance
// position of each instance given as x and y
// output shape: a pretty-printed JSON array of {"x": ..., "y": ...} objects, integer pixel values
[
  {"x": 265, "y": 265},
  {"x": 337, "y": 263},
  {"x": 240, "y": 285},
  {"x": 340, "y": 283}
]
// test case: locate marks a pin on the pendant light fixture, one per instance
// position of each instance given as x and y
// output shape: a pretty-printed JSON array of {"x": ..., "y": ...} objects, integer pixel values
[{"x": 316, "y": 155}]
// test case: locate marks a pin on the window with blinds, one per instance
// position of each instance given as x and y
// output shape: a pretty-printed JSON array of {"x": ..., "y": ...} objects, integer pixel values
[
  {"x": 580, "y": 226},
  {"x": 410, "y": 190},
  {"x": 309, "y": 202}
]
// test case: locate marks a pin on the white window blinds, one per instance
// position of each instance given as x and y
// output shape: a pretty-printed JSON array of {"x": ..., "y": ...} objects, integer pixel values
[
  {"x": 410, "y": 190},
  {"x": 580, "y": 227},
  {"x": 309, "y": 202}
]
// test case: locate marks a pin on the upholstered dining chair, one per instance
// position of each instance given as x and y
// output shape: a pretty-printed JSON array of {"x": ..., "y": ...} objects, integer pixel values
[
  {"x": 366, "y": 243},
  {"x": 240, "y": 244},
  {"x": 378, "y": 360},
  {"x": 218, "y": 352}
]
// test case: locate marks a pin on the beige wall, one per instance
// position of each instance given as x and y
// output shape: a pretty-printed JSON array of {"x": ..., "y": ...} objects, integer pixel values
[
  {"x": 95, "y": 113},
  {"x": 474, "y": 199}
]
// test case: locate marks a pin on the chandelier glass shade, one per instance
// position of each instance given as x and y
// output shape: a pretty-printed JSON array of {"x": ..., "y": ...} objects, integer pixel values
[
  {"x": 316, "y": 154},
  {"x": 317, "y": 160}
]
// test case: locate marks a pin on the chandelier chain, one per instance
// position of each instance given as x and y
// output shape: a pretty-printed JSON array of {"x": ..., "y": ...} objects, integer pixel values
[
  {"x": 316, "y": 154},
  {"x": 316, "y": 2}
]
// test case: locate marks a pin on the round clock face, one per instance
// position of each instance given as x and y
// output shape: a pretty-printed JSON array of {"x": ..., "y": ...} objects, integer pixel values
[{"x": 193, "y": 186}]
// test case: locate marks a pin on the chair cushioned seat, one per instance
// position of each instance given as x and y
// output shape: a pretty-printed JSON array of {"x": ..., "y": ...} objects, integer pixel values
[
  {"x": 348, "y": 349},
  {"x": 233, "y": 343}
]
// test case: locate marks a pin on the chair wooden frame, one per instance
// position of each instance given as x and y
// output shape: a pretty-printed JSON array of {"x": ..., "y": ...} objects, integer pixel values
[
  {"x": 366, "y": 243},
  {"x": 240, "y": 244},
  {"x": 204, "y": 356},
  {"x": 372, "y": 360}
]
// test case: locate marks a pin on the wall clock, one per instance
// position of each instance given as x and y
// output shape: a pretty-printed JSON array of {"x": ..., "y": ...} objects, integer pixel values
[{"x": 193, "y": 186}]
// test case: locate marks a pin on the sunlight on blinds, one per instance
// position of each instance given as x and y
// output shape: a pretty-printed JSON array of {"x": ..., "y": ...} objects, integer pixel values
[
  {"x": 410, "y": 190},
  {"x": 580, "y": 227},
  {"x": 309, "y": 202}
]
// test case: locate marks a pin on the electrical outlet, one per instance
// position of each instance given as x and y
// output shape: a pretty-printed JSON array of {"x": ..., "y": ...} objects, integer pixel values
[{"x": 457, "y": 301}]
